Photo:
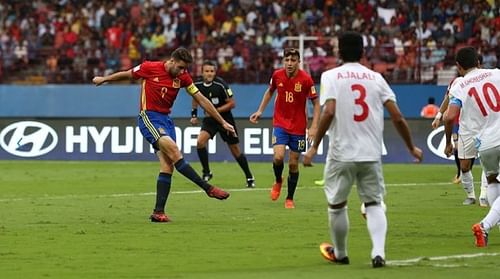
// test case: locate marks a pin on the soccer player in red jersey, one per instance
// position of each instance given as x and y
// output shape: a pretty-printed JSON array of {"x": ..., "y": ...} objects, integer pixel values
[
  {"x": 294, "y": 87},
  {"x": 161, "y": 81}
]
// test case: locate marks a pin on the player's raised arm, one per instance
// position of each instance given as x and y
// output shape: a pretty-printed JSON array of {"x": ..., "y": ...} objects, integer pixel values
[
  {"x": 212, "y": 111},
  {"x": 122, "y": 75},
  {"x": 401, "y": 126},
  {"x": 254, "y": 118}
]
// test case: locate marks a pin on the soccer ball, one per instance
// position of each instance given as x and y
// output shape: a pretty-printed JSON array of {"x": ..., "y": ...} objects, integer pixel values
[{"x": 363, "y": 209}]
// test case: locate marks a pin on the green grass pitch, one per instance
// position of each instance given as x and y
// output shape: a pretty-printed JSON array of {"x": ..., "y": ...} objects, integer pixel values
[{"x": 90, "y": 220}]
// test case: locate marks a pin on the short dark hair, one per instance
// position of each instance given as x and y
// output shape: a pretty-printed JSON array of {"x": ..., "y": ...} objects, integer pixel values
[
  {"x": 467, "y": 58},
  {"x": 209, "y": 63},
  {"x": 431, "y": 100},
  {"x": 182, "y": 54},
  {"x": 291, "y": 51},
  {"x": 351, "y": 46}
]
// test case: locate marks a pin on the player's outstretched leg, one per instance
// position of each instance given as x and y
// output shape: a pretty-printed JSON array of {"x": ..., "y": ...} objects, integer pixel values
[{"x": 212, "y": 191}]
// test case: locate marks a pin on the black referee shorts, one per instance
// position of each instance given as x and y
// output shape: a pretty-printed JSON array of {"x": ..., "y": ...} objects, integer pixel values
[{"x": 213, "y": 127}]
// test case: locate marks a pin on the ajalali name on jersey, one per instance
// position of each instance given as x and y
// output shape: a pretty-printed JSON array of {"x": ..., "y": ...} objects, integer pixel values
[{"x": 355, "y": 75}]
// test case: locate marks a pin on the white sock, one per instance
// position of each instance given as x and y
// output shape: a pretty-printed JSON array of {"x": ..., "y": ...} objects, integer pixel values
[
  {"x": 376, "y": 222},
  {"x": 493, "y": 191},
  {"x": 493, "y": 215},
  {"x": 339, "y": 228},
  {"x": 468, "y": 184},
  {"x": 484, "y": 186}
]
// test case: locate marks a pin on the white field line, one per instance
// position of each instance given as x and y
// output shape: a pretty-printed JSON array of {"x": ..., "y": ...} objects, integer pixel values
[
  {"x": 415, "y": 261},
  {"x": 120, "y": 195}
]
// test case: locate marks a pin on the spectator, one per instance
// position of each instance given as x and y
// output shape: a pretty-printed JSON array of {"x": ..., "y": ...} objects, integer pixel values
[
  {"x": 430, "y": 110},
  {"x": 490, "y": 59},
  {"x": 316, "y": 65}
]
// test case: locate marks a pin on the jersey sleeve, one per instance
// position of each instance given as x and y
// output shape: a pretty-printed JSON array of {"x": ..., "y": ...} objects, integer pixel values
[
  {"x": 272, "y": 83},
  {"x": 142, "y": 70},
  {"x": 386, "y": 92},
  {"x": 455, "y": 94},
  {"x": 326, "y": 89},
  {"x": 227, "y": 89},
  {"x": 312, "y": 90}
]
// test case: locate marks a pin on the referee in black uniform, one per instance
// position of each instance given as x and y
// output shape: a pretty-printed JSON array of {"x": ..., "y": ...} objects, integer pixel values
[{"x": 218, "y": 92}]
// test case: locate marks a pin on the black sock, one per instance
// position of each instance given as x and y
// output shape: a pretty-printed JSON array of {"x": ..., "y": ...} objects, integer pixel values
[
  {"x": 457, "y": 162},
  {"x": 278, "y": 171},
  {"x": 185, "y": 169},
  {"x": 293, "y": 177},
  {"x": 203, "y": 155},
  {"x": 242, "y": 161},
  {"x": 162, "y": 190}
]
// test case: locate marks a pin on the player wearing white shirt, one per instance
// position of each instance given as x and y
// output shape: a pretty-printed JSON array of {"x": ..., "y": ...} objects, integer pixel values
[
  {"x": 476, "y": 96},
  {"x": 353, "y": 99}
]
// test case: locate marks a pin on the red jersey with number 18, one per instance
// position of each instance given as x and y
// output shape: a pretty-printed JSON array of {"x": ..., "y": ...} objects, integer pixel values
[
  {"x": 159, "y": 89},
  {"x": 291, "y": 100}
]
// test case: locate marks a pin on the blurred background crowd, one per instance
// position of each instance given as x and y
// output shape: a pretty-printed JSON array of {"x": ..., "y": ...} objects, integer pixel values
[{"x": 70, "y": 41}]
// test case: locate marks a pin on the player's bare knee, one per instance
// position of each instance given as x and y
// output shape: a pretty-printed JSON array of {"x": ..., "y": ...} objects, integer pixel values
[
  {"x": 293, "y": 166},
  {"x": 278, "y": 160},
  {"x": 200, "y": 145}
]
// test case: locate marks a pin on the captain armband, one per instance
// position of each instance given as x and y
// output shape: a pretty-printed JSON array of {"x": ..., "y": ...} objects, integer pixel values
[
  {"x": 194, "y": 113},
  {"x": 192, "y": 89}
]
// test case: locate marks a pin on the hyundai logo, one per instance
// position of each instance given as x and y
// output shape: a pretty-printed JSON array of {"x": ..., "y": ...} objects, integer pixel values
[
  {"x": 436, "y": 142},
  {"x": 28, "y": 139}
]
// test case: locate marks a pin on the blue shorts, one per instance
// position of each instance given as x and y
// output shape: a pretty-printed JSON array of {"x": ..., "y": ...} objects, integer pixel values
[
  {"x": 153, "y": 125},
  {"x": 295, "y": 142}
]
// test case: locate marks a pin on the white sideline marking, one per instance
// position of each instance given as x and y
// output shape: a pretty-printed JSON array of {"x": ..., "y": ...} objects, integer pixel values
[
  {"x": 47, "y": 197},
  {"x": 414, "y": 261}
]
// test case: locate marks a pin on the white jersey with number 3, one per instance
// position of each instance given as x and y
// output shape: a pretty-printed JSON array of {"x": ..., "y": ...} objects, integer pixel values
[
  {"x": 358, "y": 125},
  {"x": 479, "y": 94}
]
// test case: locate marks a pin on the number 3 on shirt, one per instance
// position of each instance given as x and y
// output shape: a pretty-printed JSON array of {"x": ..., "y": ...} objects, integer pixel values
[{"x": 360, "y": 101}]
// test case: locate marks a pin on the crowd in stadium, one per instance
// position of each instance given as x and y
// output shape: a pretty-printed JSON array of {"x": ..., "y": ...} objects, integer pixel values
[{"x": 69, "y": 41}]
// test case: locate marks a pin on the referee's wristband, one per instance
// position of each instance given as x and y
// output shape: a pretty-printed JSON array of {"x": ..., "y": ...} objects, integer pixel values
[{"x": 194, "y": 113}]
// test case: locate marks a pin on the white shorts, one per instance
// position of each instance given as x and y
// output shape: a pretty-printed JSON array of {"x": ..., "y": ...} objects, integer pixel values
[
  {"x": 490, "y": 160},
  {"x": 466, "y": 147},
  {"x": 340, "y": 177}
]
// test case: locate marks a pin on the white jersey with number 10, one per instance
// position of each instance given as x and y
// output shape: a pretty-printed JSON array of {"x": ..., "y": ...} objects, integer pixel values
[
  {"x": 358, "y": 125},
  {"x": 479, "y": 94}
]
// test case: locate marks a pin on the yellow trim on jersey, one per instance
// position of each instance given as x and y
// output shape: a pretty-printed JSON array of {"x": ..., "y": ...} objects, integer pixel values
[
  {"x": 149, "y": 125},
  {"x": 192, "y": 89},
  {"x": 143, "y": 95}
]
